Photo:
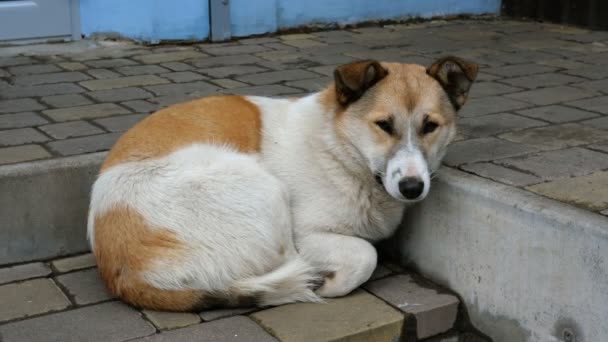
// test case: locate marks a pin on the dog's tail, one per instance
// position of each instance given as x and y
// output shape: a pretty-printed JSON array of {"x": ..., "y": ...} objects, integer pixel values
[{"x": 293, "y": 281}]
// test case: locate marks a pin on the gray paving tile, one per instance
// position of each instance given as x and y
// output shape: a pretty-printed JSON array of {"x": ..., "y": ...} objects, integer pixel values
[
  {"x": 542, "y": 80},
  {"x": 20, "y": 105},
  {"x": 123, "y": 82},
  {"x": 21, "y": 136},
  {"x": 85, "y": 112},
  {"x": 33, "y": 69},
  {"x": 556, "y": 136},
  {"x": 40, "y": 90},
  {"x": 17, "y": 154},
  {"x": 93, "y": 143},
  {"x": 183, "y": 76},
  {"x": 20, "y": 120},
  {"x": 601, "y": 123},
  {"x": 211, "y": 315},
  {"x": 108, "y": 322},
  {"x": 29, "y": 298},
  {"x": 171, "y": 320},
  {"x": 132, "y": 70},
  {"x": 588, "y": 192},
  {"x": 120, "y": 123},
  {"x": 557, "y": 113},
  {"x": 596, "y": 104},
  {"x": 86, "y": 287},
  {"x": 74, "y": 263},
  {"x": 234, "y": 70},
  {"x": 58, "y": 77},
  {"x": 69, "y": 100},
  {"x": 22, "y": 272},
  {"x": 276, "y": 76},
  {"x": 70, "y": 129},
  {"x": 519, "y": 70},
  {"x": 486, "y": 125},
  {"x": 501, "y": 174},
  {"x": 174, "y": 56},
  {"x": 237, "y": 328},
  {"x": 482, "y": 89},
  {"x": 483, "y": 149},
  {"x": 547, "y": 96},
  {"x": 490, "y": 105},
  {"x": 560, "y": 164},
  {"x": 119, "y": 95}
]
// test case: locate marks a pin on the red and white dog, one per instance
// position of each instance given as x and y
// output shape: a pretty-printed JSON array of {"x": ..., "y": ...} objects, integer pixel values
[{"x": 232, "y": 200}]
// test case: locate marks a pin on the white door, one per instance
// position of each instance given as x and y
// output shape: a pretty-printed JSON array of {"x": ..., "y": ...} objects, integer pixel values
[{"x": 39, "y": 20}]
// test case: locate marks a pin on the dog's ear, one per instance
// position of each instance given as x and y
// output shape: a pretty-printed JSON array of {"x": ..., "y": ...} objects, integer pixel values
[
  {"x": 352, "y": 80},
  {"x": 455, "y": 76}
]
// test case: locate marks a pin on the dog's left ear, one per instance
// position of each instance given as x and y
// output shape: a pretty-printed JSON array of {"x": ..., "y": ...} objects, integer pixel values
[
  {"x": 352, "y": 80},
  {"x": 455, "y": 76}
]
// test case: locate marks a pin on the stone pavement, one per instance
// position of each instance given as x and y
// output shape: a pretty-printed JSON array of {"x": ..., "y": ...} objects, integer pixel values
[
  {"x": 64, "y": 300},
  {"x": 537, "y": 118}
]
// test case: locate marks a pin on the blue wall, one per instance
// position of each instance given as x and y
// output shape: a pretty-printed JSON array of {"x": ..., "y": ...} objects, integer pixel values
[
  {"x": 154, "y": 20},
  {"x": 147, "y": 20}
]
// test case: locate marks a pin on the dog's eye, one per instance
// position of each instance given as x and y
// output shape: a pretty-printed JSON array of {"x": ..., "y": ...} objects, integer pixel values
[
  {"x": 385, "y": 125},
  {"x": 429, "y": 127}
]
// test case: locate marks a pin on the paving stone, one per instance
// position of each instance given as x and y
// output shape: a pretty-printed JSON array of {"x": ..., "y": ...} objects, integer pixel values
[
  {"x": 21, "y": 136},
  {"x": 121, "y": 94},
  {"x": 542, "y": 80},
  {"x": 102, "y": 74},
  {"x": 557, "y": 113},
  {"x": 557, "y": 136},
  {"x": 356, "y": 317},
  {"x": 519, "y": 70},
  {"x": 56, "y": 77},
  {"x": 599, "y": 147},
  {"x": 164, "y": 57},
  {"x": 563, "y": 63},
  {"x": 225, "y": 60},
  {"x": 588, "y": 192},
  {"x": 337, "y": 59},
  {"x": 279, "y": 46},
  {"x": 183, "y": 88},
  {"x": 547, "y": 96},
  {"x": 74, "y": 263},
  {"x": 133, "y": 70},
  {"x": 501, "y": 174},
  {"x": 489, "y": 105},
  {"x": 277, "y": 76},
  {"x": 601, "y": 123},
  {"x": 19, "y": 105},
  {"x": 69, "y": 100},
  {"x": 596, "y": 104},
  {"x": 228, "y": 83},
  {"x": 85, "y": 112},
  {"x": 141, "y": 106},
  {"x": 30, "y": 298},
  {"x": 598, "y": 86},
  {"x": 326, "y": 70},
  {"x": 40, "y": 90},
  {"x": 228, "y": 71},
  {"x": 258, "y": 41},
  {"x": 123, "y": 82},
  {"x": 33, "y": 69},
  {"x": 236, "y": 329},
  {"x": 211, "y": 315},
  {"x": 177, "y": 66},
  {"x": 171, "y": 99},
  {"x": 296, "y": 36},
  {"x": 559, "y": 164},
  {"x": 234, "y": 50},
  {"x": 18, "y": 154},
  {"x": 265, "y": 90},
  {"x": 433, "y": 310},
  {"x": 73, "y": 66},
  {"x": 23, "y": 272},
  {"x": 10, "y": 61},
  {"x": 486, "y": 125},
  {"x": 282, "y": 55},
  {"x": 604, "y": 212},
  {"x": 483, "y": 77},
  {"x": 183, "y": 76},
  {"x": 120, "y": 123},
  {"x": 312, "y": 85},
  {"x": 171, "y": 320},
  {"x": 596, "y": 72},
  {"x": 21, "y": 120},
  {"x": 108, "y": 321},
  {"x": 70, "y": 129},
  {"x": 94, "y": 143},
  {"x": 483, "y": 149},
  {"x": 86, "y": 287},
  {"x": 482, "y": 89},
  {"x": 110, "y": 63},
  {"x": 303, "y": 43}
]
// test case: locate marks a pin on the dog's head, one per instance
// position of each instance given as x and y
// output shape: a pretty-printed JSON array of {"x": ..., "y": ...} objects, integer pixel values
[{"x": 401, "y": 117}]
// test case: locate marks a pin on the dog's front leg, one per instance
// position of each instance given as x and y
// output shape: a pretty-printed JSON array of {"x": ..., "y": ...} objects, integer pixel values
[{"x": 345, "y": 261}]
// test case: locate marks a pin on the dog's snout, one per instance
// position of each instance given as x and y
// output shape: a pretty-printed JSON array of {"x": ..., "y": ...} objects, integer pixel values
[{"x": 411, "y": 187}]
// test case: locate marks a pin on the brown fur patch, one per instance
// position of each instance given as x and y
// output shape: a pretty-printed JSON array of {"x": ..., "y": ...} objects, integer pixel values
[
  {"x": 124, "y": 247},
  {"x": 229, "y": 120}
]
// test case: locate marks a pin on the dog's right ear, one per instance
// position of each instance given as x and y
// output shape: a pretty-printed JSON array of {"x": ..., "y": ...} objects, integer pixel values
[{"x": 352, "y": 80}]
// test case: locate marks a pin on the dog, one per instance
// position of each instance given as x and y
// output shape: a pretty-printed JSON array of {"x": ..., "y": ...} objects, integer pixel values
[{"x": 230, "y": 201}]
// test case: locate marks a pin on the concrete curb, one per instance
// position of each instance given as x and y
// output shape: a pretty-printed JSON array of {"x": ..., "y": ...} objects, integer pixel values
[
  {"x": 43, "y": 207},
  {"x": 526, "y": 267}
]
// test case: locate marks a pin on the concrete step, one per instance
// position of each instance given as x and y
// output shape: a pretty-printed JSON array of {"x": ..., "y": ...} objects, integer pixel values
[{"x": 64, "y": 300}]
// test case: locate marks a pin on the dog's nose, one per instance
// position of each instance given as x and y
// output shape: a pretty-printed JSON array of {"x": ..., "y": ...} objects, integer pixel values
[{"x": 411, "y": 187}]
